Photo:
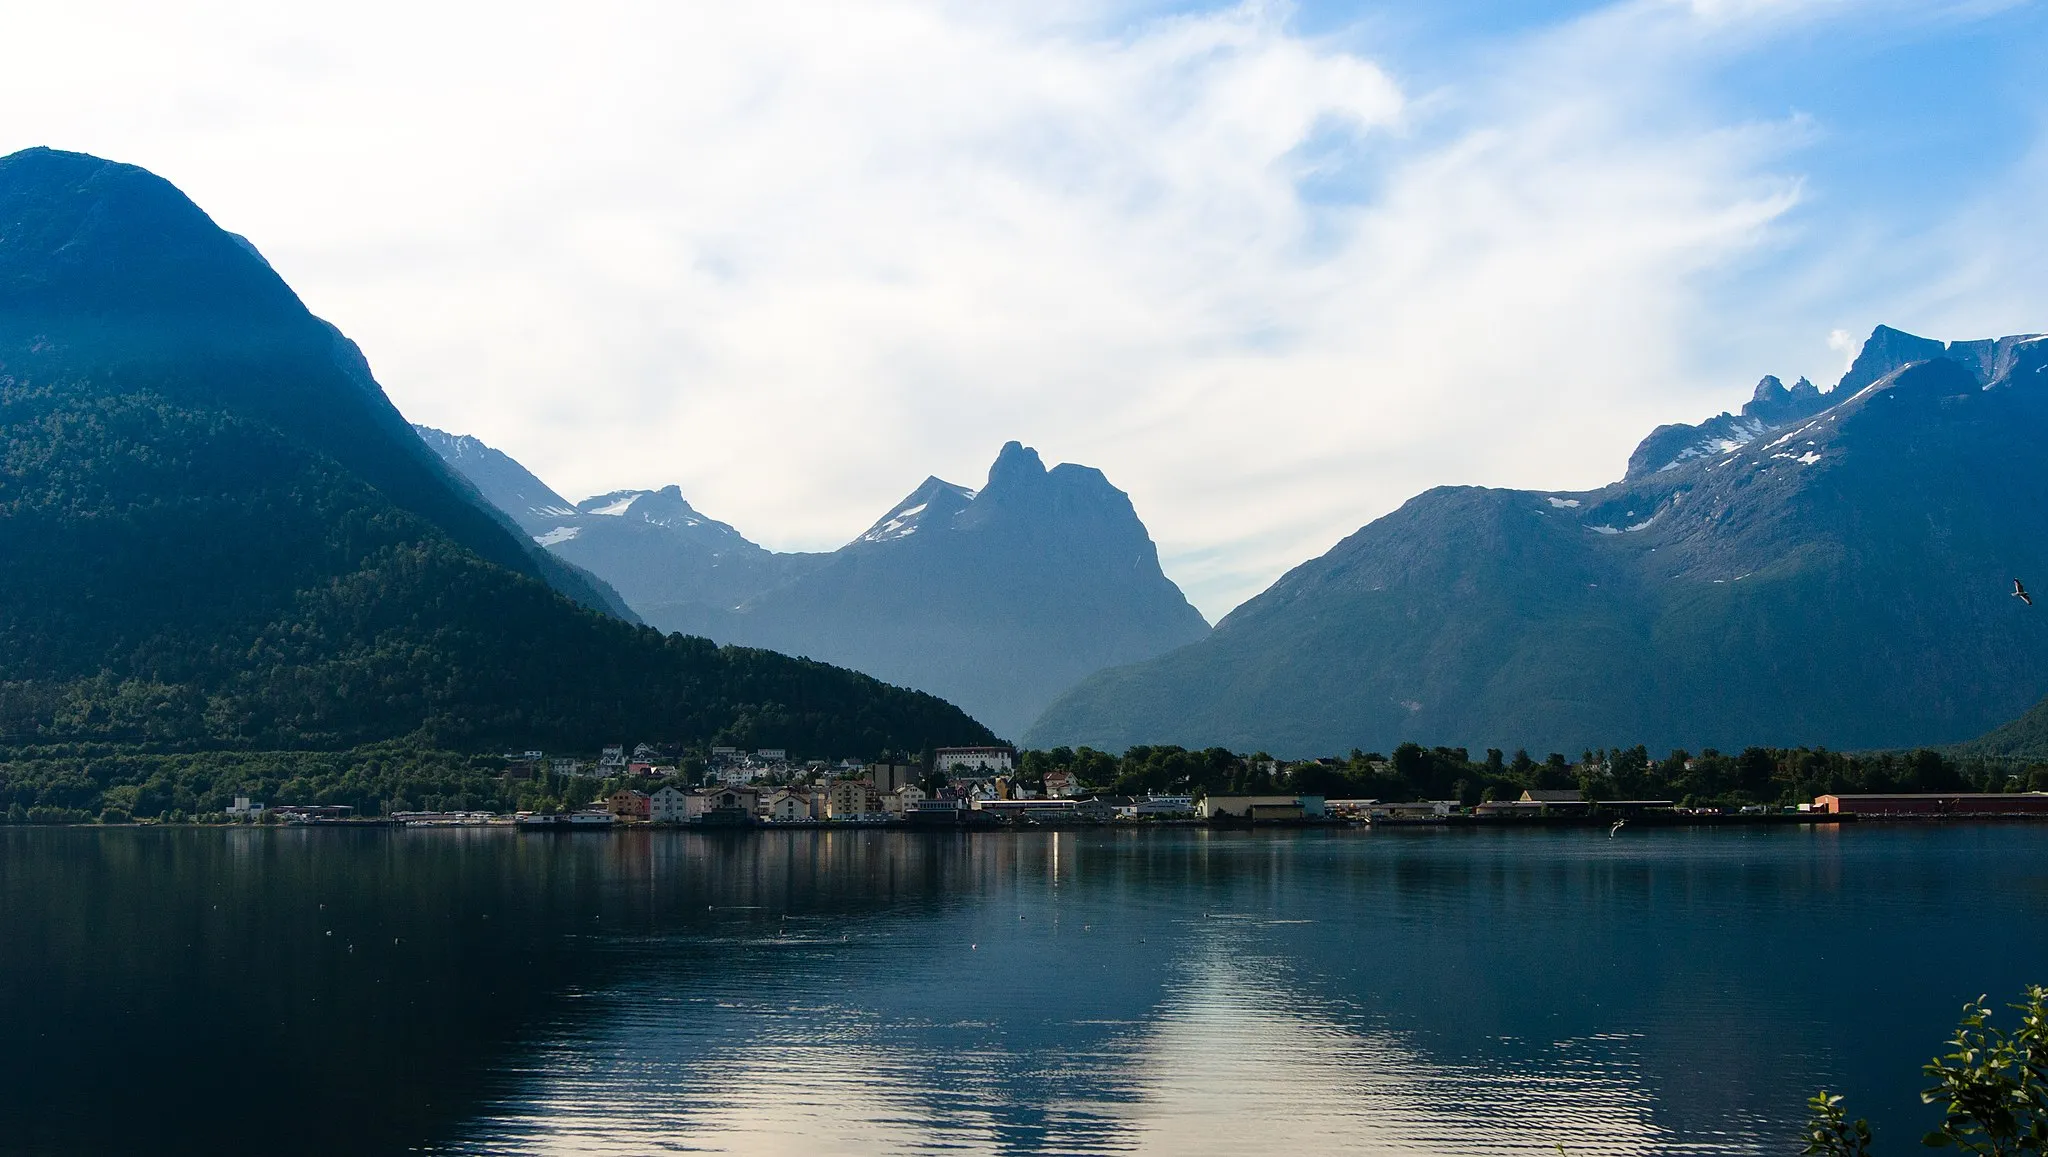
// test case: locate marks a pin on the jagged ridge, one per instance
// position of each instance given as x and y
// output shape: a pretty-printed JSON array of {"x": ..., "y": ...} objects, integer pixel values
[
  {"x": 996, "y": 598},
  {"x": 1833, "y": 568}
]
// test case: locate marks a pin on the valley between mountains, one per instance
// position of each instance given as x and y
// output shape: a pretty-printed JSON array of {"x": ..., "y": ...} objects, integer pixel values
[
  {"x": 215, "y": 529},
  {"x": 1827, "y": 567}
]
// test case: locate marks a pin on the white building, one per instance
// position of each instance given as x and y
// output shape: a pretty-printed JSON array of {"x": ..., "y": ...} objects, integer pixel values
[
  {"x": 1161, "y": 805},
  {"x": 724, "y": 800},
  {"x": 786, "y": 805},
  {"x": 735, "y": 774},
  {"x": 903, "y": 800},
  {"x": 242, "y": 807},
  {"x": 959, "y": 762},
  {"x": 668, "y": 805}
]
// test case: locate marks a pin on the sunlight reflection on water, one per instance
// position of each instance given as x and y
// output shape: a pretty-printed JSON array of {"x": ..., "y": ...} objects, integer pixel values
[{"x": 1077, "y": 1002}]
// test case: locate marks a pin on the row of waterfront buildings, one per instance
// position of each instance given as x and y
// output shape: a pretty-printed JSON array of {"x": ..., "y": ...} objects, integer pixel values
[
  {"x": 733, "y": 766},
  {"x": 864, "y": 801}
]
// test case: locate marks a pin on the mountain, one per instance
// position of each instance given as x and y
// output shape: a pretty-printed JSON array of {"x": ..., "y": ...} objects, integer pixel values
[
  {"x": 505, "y": 484},
  {"x": 1823, "y": 568},
  {"x": 216, "y": 530},
  {"x": 996, "y": 599},
  {"x": 677, "y": 568},
  {"x": 2023, "y": 738}
]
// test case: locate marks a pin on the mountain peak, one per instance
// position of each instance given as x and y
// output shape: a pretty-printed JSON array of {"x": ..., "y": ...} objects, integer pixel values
[
  {"x": 503, "y": 482},
  {"x": 1886, "y": 350},
  {"x": 1774, "y": 404},
  {"x": 935, "y": 502},
  {"x": 663, "y": 507},
  {"x": 82, "y": 237},
  {"x": 1015, "y": 463}
]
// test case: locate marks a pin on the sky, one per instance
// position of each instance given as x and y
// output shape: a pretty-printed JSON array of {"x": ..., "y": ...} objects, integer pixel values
[{"x": 1274, "y": 268}]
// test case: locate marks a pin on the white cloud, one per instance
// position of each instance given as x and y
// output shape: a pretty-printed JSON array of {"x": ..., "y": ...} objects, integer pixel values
[{"x": 795, "y": 256}]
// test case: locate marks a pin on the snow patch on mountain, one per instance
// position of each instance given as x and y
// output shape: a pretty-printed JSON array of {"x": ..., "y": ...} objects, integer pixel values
[
  {"x": 900, "y": 526},
  {"x": 1738, "y": 432},
  {"x": 936, "y": 501}
]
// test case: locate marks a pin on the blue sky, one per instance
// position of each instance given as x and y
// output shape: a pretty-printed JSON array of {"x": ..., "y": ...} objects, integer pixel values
[{"x": 1273, "y": 268}]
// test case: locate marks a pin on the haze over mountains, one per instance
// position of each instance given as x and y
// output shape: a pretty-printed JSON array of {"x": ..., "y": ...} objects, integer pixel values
[
  {"x": 680, "y": 570},
  {"x": 216, "y": 530},
  {"x": 1823, "y": 568},
  {"x": 996, "y": 599}
]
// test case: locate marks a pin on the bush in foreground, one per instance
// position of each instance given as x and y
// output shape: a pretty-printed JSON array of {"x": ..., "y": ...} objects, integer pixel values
[{"x": 1992, "y": 1085}]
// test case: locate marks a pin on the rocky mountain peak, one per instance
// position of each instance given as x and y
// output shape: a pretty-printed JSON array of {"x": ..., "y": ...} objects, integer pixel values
[
  {"x": 660, "y": 506},
  {"x": 1016, "y": 464},
  {"x": 1885, "y": 351},
  {"x": 503, "y": 482},
  {"x": 1775, "y": 405},
  {"x": 935, "y": 502}
]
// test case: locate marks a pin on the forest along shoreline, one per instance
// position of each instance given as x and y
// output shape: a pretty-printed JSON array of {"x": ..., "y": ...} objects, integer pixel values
[{"x": 1001, "y": 788}]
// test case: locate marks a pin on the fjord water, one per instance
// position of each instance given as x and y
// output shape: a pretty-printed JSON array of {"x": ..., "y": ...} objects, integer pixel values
[{"x": 251, "y": 990}]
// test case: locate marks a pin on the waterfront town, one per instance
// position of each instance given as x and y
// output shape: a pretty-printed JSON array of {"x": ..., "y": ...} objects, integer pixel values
[{"x": 981, "y": 787}]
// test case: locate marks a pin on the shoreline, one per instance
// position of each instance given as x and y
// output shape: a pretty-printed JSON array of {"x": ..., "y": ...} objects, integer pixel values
[{"x": 1435, "y": 823}]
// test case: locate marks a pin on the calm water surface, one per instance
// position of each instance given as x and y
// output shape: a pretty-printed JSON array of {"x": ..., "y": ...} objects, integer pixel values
[{"x": 1187, "y": 992}]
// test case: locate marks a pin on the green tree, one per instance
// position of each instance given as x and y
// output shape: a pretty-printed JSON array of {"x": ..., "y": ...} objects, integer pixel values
[
  {"x": 1992, "y": 1086},
  {"x": 1830, "y": 1133}
]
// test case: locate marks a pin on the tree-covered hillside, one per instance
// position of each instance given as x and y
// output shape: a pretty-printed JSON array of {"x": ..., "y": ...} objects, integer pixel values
[{"x": 215, "y": 530}]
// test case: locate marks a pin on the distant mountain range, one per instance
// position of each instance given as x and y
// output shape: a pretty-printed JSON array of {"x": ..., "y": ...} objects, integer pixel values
[
  {"x": 215, "y": 530},
  {"x": 1822, "y": 568},
  {"x": 997, "y": 599},
  {"x": 680, "y": 570}
]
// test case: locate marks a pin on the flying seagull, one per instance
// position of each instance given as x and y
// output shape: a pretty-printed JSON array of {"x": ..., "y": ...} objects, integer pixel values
[{"x": 2019, "y": 591}]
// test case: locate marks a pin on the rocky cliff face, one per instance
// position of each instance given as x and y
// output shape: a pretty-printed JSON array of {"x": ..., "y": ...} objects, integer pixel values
[
  {"x": 1823, "y": 568},
  {"x": 997, "y": 598}
]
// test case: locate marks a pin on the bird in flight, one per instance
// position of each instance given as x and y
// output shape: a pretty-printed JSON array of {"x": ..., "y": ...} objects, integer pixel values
[{"x": 2019, "y": 591}]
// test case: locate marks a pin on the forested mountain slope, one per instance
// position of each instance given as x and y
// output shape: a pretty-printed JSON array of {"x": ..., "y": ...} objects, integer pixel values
[{"x": 215, "y": 529}]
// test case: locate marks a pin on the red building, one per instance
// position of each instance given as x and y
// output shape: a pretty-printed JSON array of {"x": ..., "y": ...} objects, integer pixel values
[{"x": 1939, "y": 803}]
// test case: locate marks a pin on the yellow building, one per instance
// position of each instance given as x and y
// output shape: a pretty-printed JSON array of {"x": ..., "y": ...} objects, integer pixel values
[{"x": 849, "y": 799}]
